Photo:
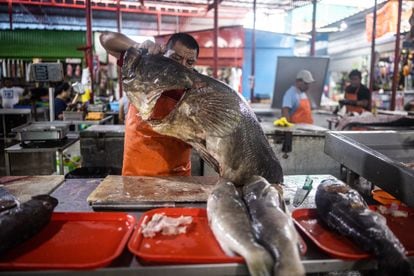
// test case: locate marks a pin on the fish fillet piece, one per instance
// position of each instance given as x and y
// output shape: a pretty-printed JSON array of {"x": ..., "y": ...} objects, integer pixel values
[
  {"x": 166, "y": 225},
  {"x": 344, "y": 210},
  {"x": 273, "y": 227},
  {"x": 229, "y": 221},
  {"x": 24, "y": 221}
]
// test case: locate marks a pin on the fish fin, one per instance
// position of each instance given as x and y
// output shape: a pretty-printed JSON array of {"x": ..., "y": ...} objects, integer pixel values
[
  {"x": 215, "y": 114},
  {"x": 202, "y": 151},
  {"x": 7, "y": 200},
  {"x": 395, "y": 265},
  {"x": 259, "y": 263},
  {"x": 225, "y": 248},
  {"x": 131, "y": 59}
]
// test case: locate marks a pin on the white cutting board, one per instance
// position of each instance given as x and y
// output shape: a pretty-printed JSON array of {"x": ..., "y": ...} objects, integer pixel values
[{"x": 132, "y": 190}]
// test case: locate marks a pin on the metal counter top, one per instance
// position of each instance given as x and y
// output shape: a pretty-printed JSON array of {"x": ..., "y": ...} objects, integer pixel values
[
  {"x": 72, "y": 196},
  {"x": 297, "y": 129}
]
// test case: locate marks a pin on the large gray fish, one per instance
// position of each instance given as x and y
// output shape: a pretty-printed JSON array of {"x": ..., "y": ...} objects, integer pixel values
[
  {"x": 229, "y": 221},
  {"x": 22, "y": 222},
  {"x": 214, "y": 119},
  {"x": 344, "y": 210},
  {"x": 273, "y": 227}
]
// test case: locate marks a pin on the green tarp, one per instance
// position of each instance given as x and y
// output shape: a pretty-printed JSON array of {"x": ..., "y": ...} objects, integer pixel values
[{"x": 46, "y": 44}]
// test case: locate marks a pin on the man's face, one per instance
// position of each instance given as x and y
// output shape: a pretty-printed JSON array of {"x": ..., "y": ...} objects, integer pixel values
[
  {"x": 66, "y": 94},
  {"x": 302, "y": 86},
  {"x": 182, "y": 54},
  {"x": 355, "y": 81}
]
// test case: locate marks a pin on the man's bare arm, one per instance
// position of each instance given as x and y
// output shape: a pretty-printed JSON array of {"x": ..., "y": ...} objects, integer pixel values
[
  {"x": 116, "y": 43},
  {"x": 285, "y": 113}
]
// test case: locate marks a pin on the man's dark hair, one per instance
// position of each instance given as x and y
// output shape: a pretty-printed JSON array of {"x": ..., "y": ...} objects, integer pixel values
[
  {"x": 186, "y": 39},
  {"x": 61, "y": 87},
  {"x": 355, "y": 73}
]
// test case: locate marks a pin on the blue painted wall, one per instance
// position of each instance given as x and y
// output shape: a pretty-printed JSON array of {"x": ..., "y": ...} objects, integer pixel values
[{"x": 268, "y": 47}]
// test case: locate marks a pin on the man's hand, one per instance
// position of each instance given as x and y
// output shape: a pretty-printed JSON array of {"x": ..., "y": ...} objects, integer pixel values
[{"x": 153, "y": 48}]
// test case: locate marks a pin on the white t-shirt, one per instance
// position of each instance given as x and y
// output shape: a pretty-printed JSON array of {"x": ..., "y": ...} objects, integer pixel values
[{"x": 10, "y": 96}]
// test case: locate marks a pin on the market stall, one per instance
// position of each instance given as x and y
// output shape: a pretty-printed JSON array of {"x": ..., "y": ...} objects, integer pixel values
[{"x": 73, "y": 208}]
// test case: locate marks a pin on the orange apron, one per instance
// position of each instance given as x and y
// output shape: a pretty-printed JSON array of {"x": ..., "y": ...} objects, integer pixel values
[
  {"x": 353, "y": 97},
  {"x": 303, "y": 113},
  {"x": 148, "y": 153}
]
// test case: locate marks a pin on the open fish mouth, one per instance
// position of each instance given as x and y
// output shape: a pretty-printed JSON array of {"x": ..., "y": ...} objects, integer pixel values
[{"x": 159, "y": 111}]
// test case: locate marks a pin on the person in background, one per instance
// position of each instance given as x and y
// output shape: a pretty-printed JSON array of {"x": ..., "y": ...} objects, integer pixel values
[
  {"x": 357, "y": 95},
  {"x": 10, "y": 95},
  {"x": 123, "y": 108},
  {"x": 145, "y": 151},
  {"x": 62, "y": 95},
  {"x": 296, "y": 106}
]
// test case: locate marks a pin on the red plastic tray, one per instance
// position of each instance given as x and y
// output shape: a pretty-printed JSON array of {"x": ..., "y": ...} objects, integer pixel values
[
  {"x": 197, "y": 246},
  {"x": 342, "y": 247},
  {"x": 73, "y": 241}
]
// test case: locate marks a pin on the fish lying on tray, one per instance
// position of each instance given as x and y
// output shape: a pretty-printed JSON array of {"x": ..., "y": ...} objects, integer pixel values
[
  {"x": 344, "y": 210},
  {"x": 22, "y": 221},
  {"x": 273, "y": 226},
  {"x": 256, "y": 226},
  {"x": 229, "y": 220}
]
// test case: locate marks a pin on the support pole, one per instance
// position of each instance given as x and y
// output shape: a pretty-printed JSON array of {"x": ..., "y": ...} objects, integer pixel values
[
  {"x": 11, "y": 14},
  {"x": 216, "y": 34},
  {"x": 118, "y": 16},
  {"x": 374, "y": 31},
  {"x": 89, "y": 46},
  {"x": 119, "y": 28},
  {"x": 159, "y": 23},
  {"x": 397, "y": 58},
  {"x": 312, "y": 49},
  {"x": 252, "y": 76},
  {"x": 51, "y": 103}
]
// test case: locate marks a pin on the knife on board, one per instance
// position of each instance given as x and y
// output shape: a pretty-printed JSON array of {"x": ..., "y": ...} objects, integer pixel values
[{"x": 302, "y": 192}]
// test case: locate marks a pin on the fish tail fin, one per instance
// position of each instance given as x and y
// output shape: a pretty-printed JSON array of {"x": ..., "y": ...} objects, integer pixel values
[
  {"x": 395, "y": 264},
  {"x": 260, "y": 263}
]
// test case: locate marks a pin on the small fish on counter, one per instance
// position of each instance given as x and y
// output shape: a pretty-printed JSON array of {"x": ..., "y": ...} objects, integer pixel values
[
  {"x": 25, "y": 220},
  {"x": 344, "y": 210}
]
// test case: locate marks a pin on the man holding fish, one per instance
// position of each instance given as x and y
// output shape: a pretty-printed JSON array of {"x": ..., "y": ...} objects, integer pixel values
[{"x": 145, "y": 151}]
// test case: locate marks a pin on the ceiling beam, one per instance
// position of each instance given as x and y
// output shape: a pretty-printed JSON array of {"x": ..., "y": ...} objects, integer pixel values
[
  {"x": 138, "y": 7},
  {"x": 212, "y": 5}
]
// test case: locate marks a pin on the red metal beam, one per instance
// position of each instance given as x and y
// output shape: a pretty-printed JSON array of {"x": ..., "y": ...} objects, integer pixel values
[
  {"x": 374, "y": 31},
  {"x": 212, "y": 5},
  {"x": 10, "y": 6},
  {"x": 215, "y": 38},
  {"x": 119, "y": 27},
  {"x": 118, "y": 15},
  {"x": 313, "y": 40},
  {"x": 159, "y": 23},
  {"x": 252, "y": 76},
  {"x": 397, "y": 58},
  {"x": 135, "y": 7},
  {"x": 89, "y": 42}
]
